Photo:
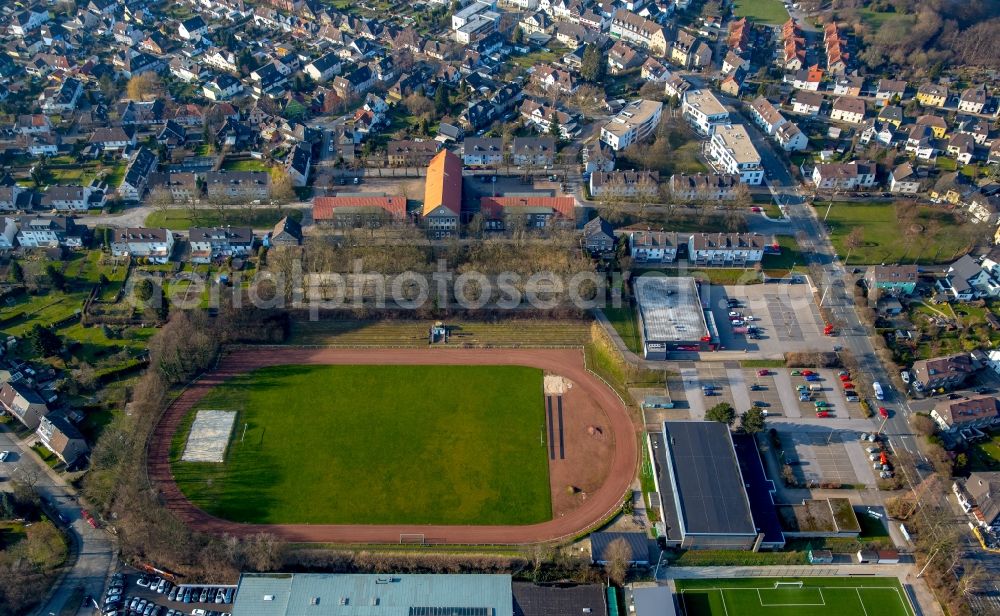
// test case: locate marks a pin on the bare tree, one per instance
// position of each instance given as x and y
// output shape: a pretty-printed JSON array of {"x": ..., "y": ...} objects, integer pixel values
[
  {"x": 617, "y": 560},
  {"x": 855, "y": 239}
]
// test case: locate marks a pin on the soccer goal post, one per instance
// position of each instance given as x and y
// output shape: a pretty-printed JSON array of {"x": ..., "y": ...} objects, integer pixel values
[
  {"x": 788, "y": 584},
  {"x": 417, "y": 538}
]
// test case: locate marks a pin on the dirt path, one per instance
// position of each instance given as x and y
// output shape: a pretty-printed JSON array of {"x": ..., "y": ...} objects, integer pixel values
[{"x": 567, "y": 363}]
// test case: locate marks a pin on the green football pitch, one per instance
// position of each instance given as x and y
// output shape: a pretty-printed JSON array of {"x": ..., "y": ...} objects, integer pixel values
[
  {"x": 825, "y": 596},
  {"x": 376, "y": 445}
]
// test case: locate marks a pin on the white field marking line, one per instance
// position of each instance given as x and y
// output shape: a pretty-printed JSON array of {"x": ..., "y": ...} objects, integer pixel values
[
  {"x": 863, "y": 608},
  {"x": 722, "y": 595},
  {"x": 821, "y": 597}
]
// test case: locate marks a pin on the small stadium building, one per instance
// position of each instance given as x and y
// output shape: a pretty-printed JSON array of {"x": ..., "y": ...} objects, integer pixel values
[
  {"x": 703, "y": 495},
  {"x": 672, "y": 317}
]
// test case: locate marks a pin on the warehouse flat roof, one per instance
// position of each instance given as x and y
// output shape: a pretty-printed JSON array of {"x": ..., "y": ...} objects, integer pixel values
[
  {"x": 706, "y": 480},
  {"x": 670, "y": 308}
]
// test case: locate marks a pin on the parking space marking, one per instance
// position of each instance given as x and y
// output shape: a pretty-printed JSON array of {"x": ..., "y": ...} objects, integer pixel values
[
  {"x": 692, "y": 391},
  {"x": 789, "y": 401},
  {"x": 741, "y": 395}
]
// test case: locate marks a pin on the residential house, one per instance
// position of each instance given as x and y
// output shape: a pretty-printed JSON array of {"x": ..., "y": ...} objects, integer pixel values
[
  {"x": 904, "y": 180},
  {"x": 635, "y": 122},
  {"x": 892, "y": 279},
  {"x": 623, "y": 57},
  {"x": 920, "y": 142},
  {"x": 951, "y": 188},
  {"x": 533, "y": 151},
  {"x": 850, "y": 110},
  {"x": 946, "y": 372},
  {"x": 23, "y": 403},
  {"x": 682, "y": 49},
  {"x": 963, "y": 147},
  {"x": 288, "y": 232},
  {"x": 703, "y": 111},
  {"x": 443, "y": 195},
  {"x": 984, "y": 488},
  {"x": 209, "y": 244},
  {"x": 806, "y": 79},
  {"x": 154, "y": 244},
  {"x": 977, "y": 412},
  {"x": 72, "y": 198},
  {"x": 33, "y": 124},
  {"x": 599, "y": 237},
  {"x": 541, "y": 117},
  {"x": 966, "y": 280},
  {"x": 298, "y": 164},
  {"x": 113, "y": 139},
  {"x": 14, "y": 197},
  {"x": 624, "y": 184},
  {"x": 807, "y": 103},
  {"x": 766, "y": 116},
  {"x": 973, "y": 99},
  {"x": 597, "y": 157},
  {"x": 359, "y": 212},
  {"x": 411, "y": 152},
  {"x": 932, "y": 95},
  {"x": 855, "y": 175},
  {"x": 676, "y": 86},
  {"x": 651, "y": 70},
  {"x": 791, "y": 138},
  {"x": 704, "y": 187},
  {"x": 890, "y": 91},
  {"x": 726, "y": 249},
  {"x": 192, "y": 28},
  {"x": 732, "y": 151},
  {"x": 984, "y": 209},
  {"x": 50, "y": 231},
  {"x": 222, "y": 87},
  {"x": 848, "y": 85},
  {"x": 733, "y": 62},
  {"x": 232, "y": 186},
  {"x": 937, "y": 124},
  {"x": 324, "y": 68},
  {"x": 655, "y": 246},
  {"x": 483, "y": 152},
  {"x": 552, "y": 79},
  {"x": 62, "y": 438},
  {"x": 133, "y": 185}
]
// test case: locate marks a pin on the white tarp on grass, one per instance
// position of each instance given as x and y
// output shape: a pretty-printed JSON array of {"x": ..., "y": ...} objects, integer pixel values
[{"x": 209, "y": 436}]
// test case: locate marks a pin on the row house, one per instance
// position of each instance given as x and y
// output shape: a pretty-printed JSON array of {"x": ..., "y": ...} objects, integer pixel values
[
  {"x": 182, "y": 187},
  {"x": 836, "y": 49},
  {"x": 23, "y": 403},
  {"x": 63, "y": 98},
  {"x": 726, "y": 249},
  {"x": 766, "y": 116},
  {"x": 209, "y": 244},
  {"x": 115, "y": 139},
  {"x": 14, "y": 197},
  {"x": 806, "y": 79},
  {"x": 34, "y": 124},
  {"x": 647, "y": 34},
  {"x": 705, "y": 187},
  {"x": 793, "y": 56},
  {"x": 738, "y": 37},
  {"x": 624, "y": 184},
  {"x": 980, "y": 412},
  {"x": 687, "y": 51},
  {"x": 732, "y": 152},
  {"x": 855, "y": 175},
  {"x": 230, "y": 186},
  {"x": 482, "y": 152},
  {"x": 411, "y": 152},
  {"x": 655, "y": 246},
  {"x": 154, "y": 244},
  {"x": 533, "y": 151}
]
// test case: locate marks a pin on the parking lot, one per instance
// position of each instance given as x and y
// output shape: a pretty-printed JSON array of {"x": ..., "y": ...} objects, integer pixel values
[
  {"x": 139, "y": 596},
  {"x": 819, "y": 455},
  {"x": 786, "y": 315}
]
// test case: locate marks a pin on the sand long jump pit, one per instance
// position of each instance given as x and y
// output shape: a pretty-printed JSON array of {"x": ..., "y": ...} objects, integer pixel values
[{"x": 209, "y": 436}]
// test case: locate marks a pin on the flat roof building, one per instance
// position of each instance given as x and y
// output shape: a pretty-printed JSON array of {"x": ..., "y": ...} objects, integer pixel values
[
  {"x": 303, "y": 594},
  {"x": 633, "y": 123},
  {"x": 702, "y": 492},
  {"x": 672, "y": 317},
  {"x": 733, "y": 152}
]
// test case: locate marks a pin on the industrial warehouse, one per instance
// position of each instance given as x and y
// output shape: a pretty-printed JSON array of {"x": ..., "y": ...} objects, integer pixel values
[{"x": 672, "y": 317}]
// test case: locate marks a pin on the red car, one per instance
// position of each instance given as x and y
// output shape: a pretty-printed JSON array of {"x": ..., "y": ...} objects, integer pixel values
[
  {"x": 762, "y": 372},
  {"x": 848, "y": 385},
  {"x": 883, "y": 412},
  {"x": 822, "y": 414},
  {"x": 845, "y": 377},
  {"x": 755, "y": 209},
  {"x": 808, "y": 373}
]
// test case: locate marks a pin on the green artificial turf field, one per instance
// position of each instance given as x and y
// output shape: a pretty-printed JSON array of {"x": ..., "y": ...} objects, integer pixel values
[
  {"x": 376, "y": 445},
  {"x": 820, "y": 596}
]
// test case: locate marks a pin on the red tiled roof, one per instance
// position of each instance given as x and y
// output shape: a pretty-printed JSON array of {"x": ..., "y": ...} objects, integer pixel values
[
  {"x": 561, "y": 205},
  {"x": 324, "y": 207}
]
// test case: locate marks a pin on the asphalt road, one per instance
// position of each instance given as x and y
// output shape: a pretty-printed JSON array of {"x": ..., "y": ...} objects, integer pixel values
[{"x": 94, "y": 549}]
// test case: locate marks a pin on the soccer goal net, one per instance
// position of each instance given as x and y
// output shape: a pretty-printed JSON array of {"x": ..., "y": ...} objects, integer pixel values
[
  {"x": 788, "y": 584},
  {"x": 417, "y": 538}
]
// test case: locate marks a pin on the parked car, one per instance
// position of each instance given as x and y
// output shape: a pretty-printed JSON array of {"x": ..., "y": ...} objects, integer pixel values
[
  {"x": 762, "y": 372},
  {"x": 143, "y": 581},
  {"x": 883, "y": 412},
  {"x": 808, "y": 373},
  {"x": 796, "y": 373},
  {"x": 905, "y": 375},
  {"x": 822, "y": 414},
  {"x": 756, "y": 387}
]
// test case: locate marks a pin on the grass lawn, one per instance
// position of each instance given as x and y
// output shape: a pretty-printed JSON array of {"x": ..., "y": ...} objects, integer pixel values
[
  {"x": 178, "y": 219},
  {"x": 248, "y": 164},
  {"x": 939, "y": 239},
  {"x": 761, "y": 11},
  {"x": 985, "y": 456},
  {"x": 781, "y": 265},
  {"x": 818, "y": 596},
  {"x": 377, "y": 445},
  {"x": 624, "y": 321}
]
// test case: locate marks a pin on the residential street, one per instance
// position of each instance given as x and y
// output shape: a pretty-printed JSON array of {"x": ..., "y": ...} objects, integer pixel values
[{"x": 93, "y": 551}]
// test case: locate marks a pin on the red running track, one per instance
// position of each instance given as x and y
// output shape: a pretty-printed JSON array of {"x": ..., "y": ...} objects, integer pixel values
[{"x": 567, "y": 363}]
